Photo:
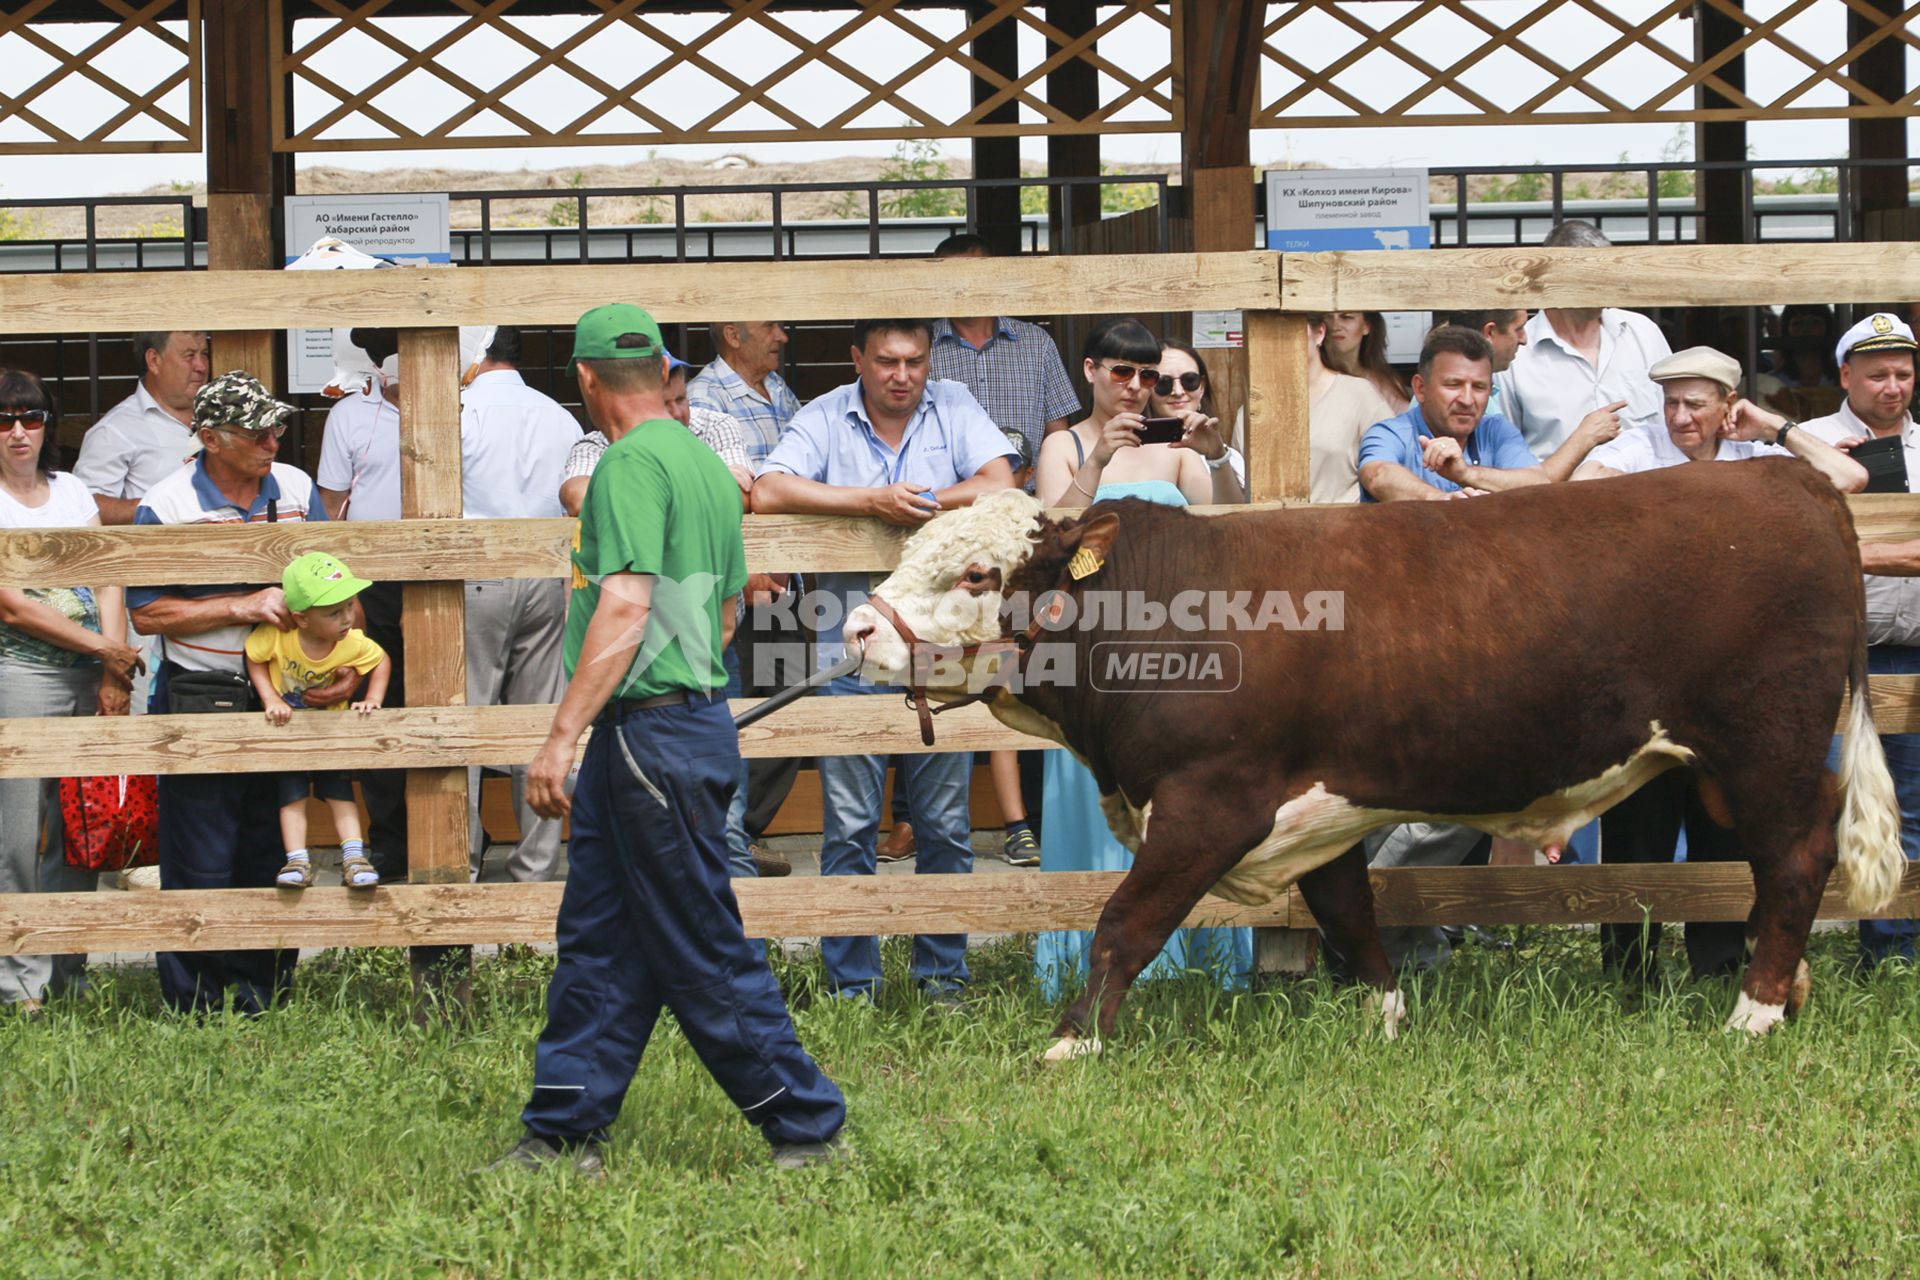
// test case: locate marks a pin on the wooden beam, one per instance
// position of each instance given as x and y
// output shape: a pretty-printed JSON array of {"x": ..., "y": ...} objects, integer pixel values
[
  {"x": 996, "y": 210},
  {"x": 439, "y": 737},
  {"x": 1722, "y": 191},
  {"x": 1217, "y": 76},
  {"x": 675, "y": 293},
  {"x": 1073, "y": 87},
  {"x": 851, "y": 906},
  {"x": 245, "y": 180},
  {"x": 1693, "y": 275},
  {"x": 424, "y": 550},
  {"x": 1278, "y": 458},
  {"x": 433, "y": 615},
  {"x": 1881, "y": 68}
]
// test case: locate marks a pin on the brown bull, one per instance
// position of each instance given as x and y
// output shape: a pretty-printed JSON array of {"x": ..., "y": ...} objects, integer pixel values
[{"x": 1516, "y": 663}]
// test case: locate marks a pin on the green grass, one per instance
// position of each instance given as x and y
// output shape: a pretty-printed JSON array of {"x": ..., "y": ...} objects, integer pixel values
[{"x": 1532, "y": 1120}]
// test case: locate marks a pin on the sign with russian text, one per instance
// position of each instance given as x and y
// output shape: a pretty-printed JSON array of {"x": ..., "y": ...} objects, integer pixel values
[
  {"x": 1312, "y": 210},
  {"x": 408, "y": 228}
]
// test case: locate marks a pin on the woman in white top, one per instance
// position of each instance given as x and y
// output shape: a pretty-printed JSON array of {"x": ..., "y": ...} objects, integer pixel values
[
  {"x": 1356, "y": 344},
  {"x": 56, "y": 643},
  {"x": 1342, "y": 408}
]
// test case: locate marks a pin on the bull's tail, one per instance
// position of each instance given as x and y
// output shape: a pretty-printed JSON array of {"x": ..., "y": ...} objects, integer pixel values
[{"x": 1869, "y": 829}]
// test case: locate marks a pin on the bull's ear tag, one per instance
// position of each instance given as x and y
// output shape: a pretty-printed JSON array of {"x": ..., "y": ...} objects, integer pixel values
[{"x": 1085, "y": 563}]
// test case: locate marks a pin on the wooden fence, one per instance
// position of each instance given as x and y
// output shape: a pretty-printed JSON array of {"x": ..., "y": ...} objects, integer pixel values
[{"x": 434, "y": 551}]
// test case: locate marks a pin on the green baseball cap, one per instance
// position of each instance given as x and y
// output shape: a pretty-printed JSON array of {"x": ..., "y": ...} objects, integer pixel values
[
  {"x": 316, "y": 579},
  {"x": 597, "y": 332},
  {"x": 237, "y": 399}
]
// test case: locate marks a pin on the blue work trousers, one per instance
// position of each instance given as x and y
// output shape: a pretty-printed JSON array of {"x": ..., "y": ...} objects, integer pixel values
[
  {"x": 221, "y": 831},
  {"x": 936, "y": 787},
  {"x": 739, "y": 847},
  {"x": 648, "y": 919}
]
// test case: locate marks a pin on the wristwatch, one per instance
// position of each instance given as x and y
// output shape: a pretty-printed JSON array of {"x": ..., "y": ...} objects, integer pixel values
[
  {"x": 1780, "y": 436},
  {"x": 1214, "y": 464}
]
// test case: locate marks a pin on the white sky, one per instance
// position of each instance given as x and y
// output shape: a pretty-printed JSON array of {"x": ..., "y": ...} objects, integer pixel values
[{"x": 685, "y": 94}]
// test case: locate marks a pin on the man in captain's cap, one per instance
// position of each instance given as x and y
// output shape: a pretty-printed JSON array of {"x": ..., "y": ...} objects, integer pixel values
[
  {"x": 1876, "y": 358},
  {"x": 1707, "y": 420}
]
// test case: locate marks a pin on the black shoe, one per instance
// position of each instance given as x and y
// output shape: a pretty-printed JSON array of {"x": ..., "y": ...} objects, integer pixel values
[
  {"x": 537, "y": 1153},
  {"x": 1020, "y": 849},
  {"x": 944, "y": 999},
  {"x": 798, "y": 1155},
  {"x": 767, "y": 863}
]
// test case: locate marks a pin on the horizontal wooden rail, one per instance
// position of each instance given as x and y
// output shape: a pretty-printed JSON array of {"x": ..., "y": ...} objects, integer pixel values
[
  {"x": 1693, "y": 275},
  {"x": 455, "y": 550},
  {"x": 673, "y": 292},
  {"x": 423, "y": 550},
  {"x": 813, "y": 906},
  {"x": 441, "y": 737},
  {"x": 1626, "y": 276}
]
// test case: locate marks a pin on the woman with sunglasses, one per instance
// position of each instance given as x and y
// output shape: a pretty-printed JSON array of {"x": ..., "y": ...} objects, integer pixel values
[
  {"x": 1356, "y": 344},
  {"x": 1098, "y": 458},
  {"x": 1103, "y": 450},
  {"x": 62, "y": 653}
]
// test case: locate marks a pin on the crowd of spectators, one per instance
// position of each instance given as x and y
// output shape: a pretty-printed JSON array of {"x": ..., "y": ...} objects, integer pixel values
[{"x": 937, "y": 414}]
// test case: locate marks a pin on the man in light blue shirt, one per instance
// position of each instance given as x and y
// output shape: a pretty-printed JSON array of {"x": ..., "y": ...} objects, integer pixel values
[
  {"x": 1446, "y": 444},
  {"x": 898, "y": 447}
]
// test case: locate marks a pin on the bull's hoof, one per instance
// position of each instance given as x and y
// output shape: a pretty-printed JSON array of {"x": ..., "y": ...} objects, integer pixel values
[
  {"x": 1067, "y": 1048},
  {"x": 1754, "y": 1018},
  {"x": 1797, "y": 993},
  {"x": 1392, "y": 1006}
]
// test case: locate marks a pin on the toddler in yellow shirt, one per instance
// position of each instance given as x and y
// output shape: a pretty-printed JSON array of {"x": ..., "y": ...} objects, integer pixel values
[{"x": 283, "y": 665}]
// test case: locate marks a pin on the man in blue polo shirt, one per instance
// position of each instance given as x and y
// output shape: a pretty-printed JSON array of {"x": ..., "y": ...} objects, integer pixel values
[
  {"x": 1446, "y": 444},
  {"x": 219, "y": 830},
  {"x": 894, "y": 445}
]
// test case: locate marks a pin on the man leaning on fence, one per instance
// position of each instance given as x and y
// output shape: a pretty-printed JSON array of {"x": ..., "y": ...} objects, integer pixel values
[
  {"x": 221, "y": 830},
  {"x": 1877, "y": 358},
  {"x": 649, "y": 920},
  {"x": 896, "y": 446},
  {"x": 513, "y": 441}
]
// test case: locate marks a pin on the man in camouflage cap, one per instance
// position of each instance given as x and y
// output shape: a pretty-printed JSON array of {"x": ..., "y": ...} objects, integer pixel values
[
  {"x": 221, "y": 830},
  {"x": 237, "y": 399}
]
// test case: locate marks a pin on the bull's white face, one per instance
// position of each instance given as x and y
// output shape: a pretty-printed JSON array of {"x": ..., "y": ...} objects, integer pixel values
[{"x": 950, "y": 583}]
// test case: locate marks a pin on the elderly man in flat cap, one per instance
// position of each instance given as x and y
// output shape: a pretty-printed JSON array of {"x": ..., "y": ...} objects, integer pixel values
[{"x": 1706, "y": 421}]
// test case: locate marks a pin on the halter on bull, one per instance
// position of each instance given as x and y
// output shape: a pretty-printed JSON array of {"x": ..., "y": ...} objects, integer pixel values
[{"x": 1517, "y": 664}]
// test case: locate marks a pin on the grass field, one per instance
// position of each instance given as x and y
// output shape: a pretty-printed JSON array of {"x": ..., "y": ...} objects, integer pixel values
[{"x": 1532, "y": 1120}]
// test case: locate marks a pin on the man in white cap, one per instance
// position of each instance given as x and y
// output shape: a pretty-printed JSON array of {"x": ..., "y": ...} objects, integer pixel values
[
  {"x": 1876, "y": 358},
  {"x": 1706, "y": 421}
]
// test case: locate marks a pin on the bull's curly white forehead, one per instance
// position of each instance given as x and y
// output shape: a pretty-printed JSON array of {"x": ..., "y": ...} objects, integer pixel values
[{"x": 997, "y": 531}]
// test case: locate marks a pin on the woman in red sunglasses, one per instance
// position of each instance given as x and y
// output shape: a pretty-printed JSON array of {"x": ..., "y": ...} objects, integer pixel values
[{"x": 1102, "y": 454}]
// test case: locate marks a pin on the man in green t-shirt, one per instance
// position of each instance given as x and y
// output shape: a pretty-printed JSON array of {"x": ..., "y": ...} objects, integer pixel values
[{"x": 649, "y": 917}]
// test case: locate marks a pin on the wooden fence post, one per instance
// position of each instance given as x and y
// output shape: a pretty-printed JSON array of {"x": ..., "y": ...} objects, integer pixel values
[
  {"x": 1278, "y": 469},
  {"x": 433, "y": 623}
]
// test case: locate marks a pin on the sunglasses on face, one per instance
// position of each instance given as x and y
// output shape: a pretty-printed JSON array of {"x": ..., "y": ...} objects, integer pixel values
[
  {"x": 1124, "y": 373},
  {"x": 31, "y": 419},
  {"x": 257, "y": 435},
  {"x": 1188, "y": 382}
]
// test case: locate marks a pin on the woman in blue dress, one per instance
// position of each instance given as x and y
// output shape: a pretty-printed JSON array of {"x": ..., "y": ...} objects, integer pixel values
[{"x": 1102, "y": 457}]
